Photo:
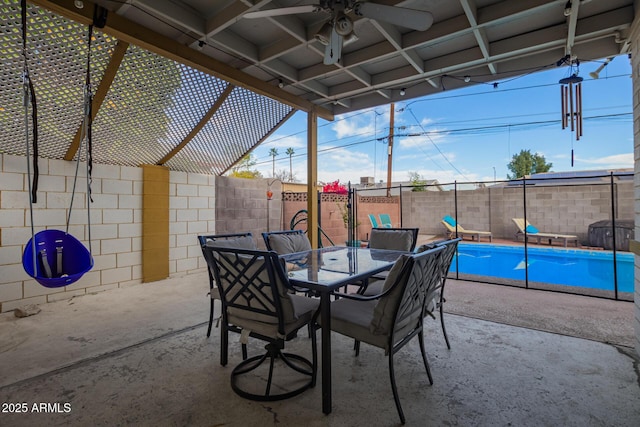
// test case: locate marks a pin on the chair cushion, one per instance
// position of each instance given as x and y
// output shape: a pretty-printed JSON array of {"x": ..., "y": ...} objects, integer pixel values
[
  {"x": 353, "y": 319},
  {"x": 289, "y": 243},
  {"x": 531, "y": 229},
  {"x": 449, "y": 220},
  {"x": 399, "y": 240},
  {"x": 303, "y": 307},
  {"x": 426, "y": 247},
  {"x": 374, "y": 287},
  {"x": 242, "y": 242},
  {"x": 383, "y": 313}
]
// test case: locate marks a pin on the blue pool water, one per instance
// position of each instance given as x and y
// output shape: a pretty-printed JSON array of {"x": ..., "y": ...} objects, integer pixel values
[{"x": 569, "y": 267}]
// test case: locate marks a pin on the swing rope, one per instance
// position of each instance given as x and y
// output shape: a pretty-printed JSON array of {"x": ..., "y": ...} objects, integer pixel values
[
  {"x": 55, "y": 271},
  {"x": 86, "y": 140}
]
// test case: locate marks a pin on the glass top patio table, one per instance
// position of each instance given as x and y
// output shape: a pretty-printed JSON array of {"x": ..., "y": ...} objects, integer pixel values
[{"x": 325, "y": 270}]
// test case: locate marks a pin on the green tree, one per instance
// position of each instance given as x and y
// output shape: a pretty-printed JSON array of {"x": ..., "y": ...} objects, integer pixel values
[
  {"x": 417, "y": 182},
  {"x": 525, "y": 163},
  {"x": 273, "y": 153},
  {"x": 290, "y": 153},
  {"x": 242, "y": 169}
]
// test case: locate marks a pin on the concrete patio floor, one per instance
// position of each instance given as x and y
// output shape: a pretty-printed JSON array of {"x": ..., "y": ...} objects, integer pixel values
[{"x": 140, "y": 356}]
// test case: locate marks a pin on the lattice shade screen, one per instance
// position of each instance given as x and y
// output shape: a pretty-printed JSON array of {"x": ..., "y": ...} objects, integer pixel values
[{"x": 151, "y": 106}]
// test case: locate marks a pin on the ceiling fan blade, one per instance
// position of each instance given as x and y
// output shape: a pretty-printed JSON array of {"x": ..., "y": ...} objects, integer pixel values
[
  {"x": 282, "y": 11},
  {"x": 419, "y": 20},
  {"x": 333, "y": 51}
]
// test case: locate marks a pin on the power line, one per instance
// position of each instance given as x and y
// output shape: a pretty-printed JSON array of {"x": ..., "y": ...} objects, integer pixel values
[
  {"x": 436, "y": 145},
  {"x": 469, "y": 131}
]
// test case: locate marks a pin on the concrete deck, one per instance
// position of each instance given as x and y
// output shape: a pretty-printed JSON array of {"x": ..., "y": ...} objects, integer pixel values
[{"x": 140, "y": 356}]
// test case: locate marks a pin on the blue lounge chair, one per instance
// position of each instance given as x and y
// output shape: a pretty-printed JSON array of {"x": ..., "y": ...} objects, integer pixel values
[{"x": 385, "y": 221}]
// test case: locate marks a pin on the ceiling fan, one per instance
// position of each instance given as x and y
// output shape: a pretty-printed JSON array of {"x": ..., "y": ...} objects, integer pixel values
[{"x": 338, "y": 30}]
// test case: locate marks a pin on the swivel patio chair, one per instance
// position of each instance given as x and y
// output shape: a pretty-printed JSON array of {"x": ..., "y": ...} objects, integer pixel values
[
  {"x": 239, "y": 240},
  {"x": 254, "y": 290},
  {"x": 391, "y": 319}
]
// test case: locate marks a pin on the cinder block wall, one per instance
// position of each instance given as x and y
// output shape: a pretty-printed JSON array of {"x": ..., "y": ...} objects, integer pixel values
[
  {"x": 559, "y": 209},
  {"x": 116, "y": 225},
  {"x": 242, "y": 205}
]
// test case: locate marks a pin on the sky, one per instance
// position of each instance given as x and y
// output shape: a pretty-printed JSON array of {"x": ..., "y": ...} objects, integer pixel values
[{"x": 469, "y": 134}]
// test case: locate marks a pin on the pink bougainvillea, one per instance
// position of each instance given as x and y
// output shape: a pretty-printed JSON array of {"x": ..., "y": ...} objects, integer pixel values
[{"x": 335, "y": 187}]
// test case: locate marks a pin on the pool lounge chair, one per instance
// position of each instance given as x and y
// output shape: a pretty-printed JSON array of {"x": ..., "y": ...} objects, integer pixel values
[
  {"x": 525, "y": 228},
  {"x": 450, "y": 224},
  {"x": 374, "y": 222},
  {"x": 385, "y": 220}
]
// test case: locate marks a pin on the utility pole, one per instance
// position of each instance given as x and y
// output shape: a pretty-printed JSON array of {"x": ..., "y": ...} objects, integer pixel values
[{"x": 390, "y": 150}]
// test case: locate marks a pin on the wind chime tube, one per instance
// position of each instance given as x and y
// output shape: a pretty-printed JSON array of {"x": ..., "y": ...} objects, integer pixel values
[
  {"x": 571, "y": 117},
  {"x": 579, "y": 111},
  {"x": 563, "y": 105}
]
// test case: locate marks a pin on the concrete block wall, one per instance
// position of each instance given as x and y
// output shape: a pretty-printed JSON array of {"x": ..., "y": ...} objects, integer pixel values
[
  {"x": 242, "y": 205},
  {"x": 116, "y": 225},
  {"x": 558, "y": 209},
  {"x": 192, "y": 211}
]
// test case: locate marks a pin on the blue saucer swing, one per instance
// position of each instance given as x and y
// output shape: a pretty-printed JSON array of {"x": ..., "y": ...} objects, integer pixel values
[
  {"x": 61, "y": 259},
  {"x": 54, "y": 258}
]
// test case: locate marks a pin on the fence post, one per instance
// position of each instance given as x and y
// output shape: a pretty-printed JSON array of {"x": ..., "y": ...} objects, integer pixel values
[
  {"x": 613, "y": 234},
  {"x": 526, "y": 238},
  {"x": 400, "y": 204},
  {"x": 455, "y": 212}
]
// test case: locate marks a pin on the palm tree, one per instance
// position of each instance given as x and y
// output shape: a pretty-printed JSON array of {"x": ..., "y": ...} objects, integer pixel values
[
  {"x": 273, "y": 153},
  {"x": 290, "y": 153}
]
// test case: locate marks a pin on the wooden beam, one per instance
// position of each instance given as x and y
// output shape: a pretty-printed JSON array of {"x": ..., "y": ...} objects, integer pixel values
[
  {"x": 312, "y": 179},
  {"x": 205, "y": 119},
  {"x": 132, "y": 32},
  {"x": 101, "y": 94}
]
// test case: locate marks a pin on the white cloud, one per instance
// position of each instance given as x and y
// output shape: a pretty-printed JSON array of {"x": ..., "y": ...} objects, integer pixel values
[
  {"x": 615, "y": 161},
  {"x": 436, "y": 136},
  {"x": 285, "y": 141},
  {"x": 366, "y": 122}
]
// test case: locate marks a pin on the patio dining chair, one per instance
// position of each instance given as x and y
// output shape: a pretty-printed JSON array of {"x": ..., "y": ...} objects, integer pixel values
[
  {"x": 398, "y": 239},
  {"x": 238, "y": 240},
  {"x": 435, "y": 300},
  {"x": 286, "y": 241},
  {"x": 393, "y": 318},
  {"x": 254, "y": 290}
]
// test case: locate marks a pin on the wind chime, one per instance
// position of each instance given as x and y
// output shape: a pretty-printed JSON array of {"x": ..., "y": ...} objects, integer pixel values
[{"x": 571, "y": 101}]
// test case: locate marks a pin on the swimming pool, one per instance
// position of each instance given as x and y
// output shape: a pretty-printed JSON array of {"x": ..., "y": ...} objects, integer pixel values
[{"x": 568, "y": 267}]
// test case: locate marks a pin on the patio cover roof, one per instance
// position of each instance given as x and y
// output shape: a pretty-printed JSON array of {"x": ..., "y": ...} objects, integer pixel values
[{"x": 193, "y": 85}]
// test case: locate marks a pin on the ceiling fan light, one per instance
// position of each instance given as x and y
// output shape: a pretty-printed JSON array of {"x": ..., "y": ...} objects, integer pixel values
[
  {"x": 324, "y": 34},
  {"x": 350, "y": 39},
  {"x": 344, "y": 26}
]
